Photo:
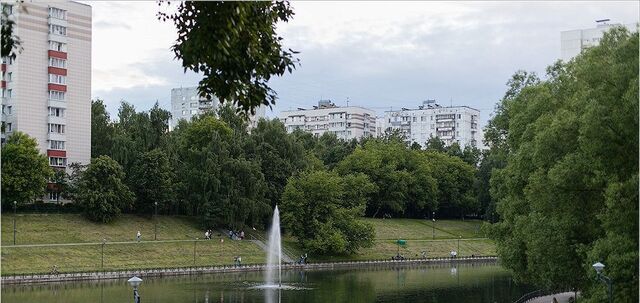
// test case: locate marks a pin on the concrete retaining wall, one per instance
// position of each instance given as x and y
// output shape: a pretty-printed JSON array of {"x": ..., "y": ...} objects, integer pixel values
[{"x": 43, "y": 278}]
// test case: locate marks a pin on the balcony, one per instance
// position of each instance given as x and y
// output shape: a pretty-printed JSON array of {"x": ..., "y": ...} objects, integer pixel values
[
  {"x": 59, "y": 104},
  {"x": 57, "y": 120},
  {"x": 56, "y": 137},
  {"x": 58, "y": 38},
  {"x": 56, "y": 21}
]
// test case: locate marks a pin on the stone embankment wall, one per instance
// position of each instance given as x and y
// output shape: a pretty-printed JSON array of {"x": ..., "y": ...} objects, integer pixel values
[{"x": 126, "y": 274}]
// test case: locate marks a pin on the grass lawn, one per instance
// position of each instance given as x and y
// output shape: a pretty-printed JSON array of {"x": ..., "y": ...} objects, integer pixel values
[
  {"x": 73, "y": 228},
  {"x": 19, "y": 260},
  {"x": 412, "y": 229}
]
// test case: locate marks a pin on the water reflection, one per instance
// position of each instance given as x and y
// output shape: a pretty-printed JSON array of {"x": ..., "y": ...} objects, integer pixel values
[{"x": 440, "y": 283}]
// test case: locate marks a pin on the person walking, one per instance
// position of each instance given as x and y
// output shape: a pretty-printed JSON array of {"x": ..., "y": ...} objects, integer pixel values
[{"x": 138, "y": 236}]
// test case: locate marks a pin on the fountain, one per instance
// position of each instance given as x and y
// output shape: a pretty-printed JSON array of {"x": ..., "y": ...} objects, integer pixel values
[{"x": 274, "y": 254}]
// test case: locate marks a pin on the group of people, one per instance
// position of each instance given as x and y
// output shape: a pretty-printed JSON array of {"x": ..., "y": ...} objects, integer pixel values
[
  {"x": 237, "y": 260},
  {"x": 303, "y": 259},
  {"x": 236, "y": 235},
  {"x": 208, "y": 234},
  {"x": 453, "y": 254}
]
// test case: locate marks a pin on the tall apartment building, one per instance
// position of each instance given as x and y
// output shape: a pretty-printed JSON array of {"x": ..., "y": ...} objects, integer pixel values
[
  {"x": 46, "y": 89},
  {"x": 348, "y": 122},
  {"x": 450, "y": 124},
  {"x": 574, "y": 41},
  {"x": 187, "y": 103}
]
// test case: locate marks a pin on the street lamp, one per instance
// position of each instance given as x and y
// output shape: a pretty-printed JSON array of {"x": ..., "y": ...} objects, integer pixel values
[
  {"x": 15, "y": 208},
  {"x": 459, "y": 237},
  {"x": 104, "y": 241},
  {"x": 194, "y": 251},
  {"x": 155, "y": 222},
  {"x": 135, "y": 282},
  {"x": 599, "y": 267},
  {"x": 433, "y": 225}
]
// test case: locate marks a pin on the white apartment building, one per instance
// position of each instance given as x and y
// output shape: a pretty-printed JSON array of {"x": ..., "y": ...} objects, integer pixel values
[
  {"x": 348, "y": 122},
  {"x": 46, "y": 89},
  {"x": 187, "y": 103},
  {"x": 574, "y": 41},
  {"x": 450, "y": 124}
]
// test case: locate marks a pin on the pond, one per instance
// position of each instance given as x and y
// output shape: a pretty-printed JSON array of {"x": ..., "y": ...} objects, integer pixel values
[{"x": 417, "y": 283}]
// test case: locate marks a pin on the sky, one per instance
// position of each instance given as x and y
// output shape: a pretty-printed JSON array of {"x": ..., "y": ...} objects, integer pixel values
[{"x": 380, "y": 55}]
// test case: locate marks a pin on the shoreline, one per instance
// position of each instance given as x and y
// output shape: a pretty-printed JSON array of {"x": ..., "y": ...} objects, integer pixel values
[{"x": 160, "y": 272}]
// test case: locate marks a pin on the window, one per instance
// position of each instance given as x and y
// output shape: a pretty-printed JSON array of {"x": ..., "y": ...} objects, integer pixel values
[
  {"x": 184, "y": 112},
  {"x": 55, "y": 62},
  {"x": 459, "y": 116},
  {"x": 57, "y": 79},
  {"x": 57, "y": 46},
  {"x": 56, "y": 112},
  {"x": 7, "y": 110},
  {"x": 54, "y": 196},
  {"x": 7, "y": 93},
  {"x": 7, "y": 76},
  {"x": 7, "y": 8},
  {"x": 55, "y": 161},
  {"x": 415, "y": 119},
  {"x": 194, "y": 104},
  {"x": 57, "y": 30},
  {"x": 423, "y": 118},
  {"x": 56, "y": 128},
  {"x": 53, "y": 144},
  {"x": 9, "y": 127},
  {"x": 56, "y": 95},
  {"x": 194, "y": 111},
  {"x": 57, "y": 13},
  {"x": 457, "y": 134}
]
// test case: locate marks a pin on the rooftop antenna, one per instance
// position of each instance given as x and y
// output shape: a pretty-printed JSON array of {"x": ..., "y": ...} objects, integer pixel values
[{"x": 347, "y": 101}]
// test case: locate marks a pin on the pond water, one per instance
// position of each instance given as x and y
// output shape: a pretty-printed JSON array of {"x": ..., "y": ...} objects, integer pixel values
[{"x": 423, "y": 283}]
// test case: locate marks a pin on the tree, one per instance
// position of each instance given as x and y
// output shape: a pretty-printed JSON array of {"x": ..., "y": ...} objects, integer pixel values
[
  {"x": 436, "y": 144},
  {"x": 11, "y": 43},
  {"x": 101, "y": 191},
  {"x": 279, "y": 154},
  {"x": 24, "y": 170},
  {"x": 321, "y": 209},
  {"x": 153, "y": 182},
  {"x": 567, "y": 196},
  {"x": 102, "y": 129},
  {"x": 235, "y": 46}
]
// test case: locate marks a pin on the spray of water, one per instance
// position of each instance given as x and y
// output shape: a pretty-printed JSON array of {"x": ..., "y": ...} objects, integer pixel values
[{"x": 274, "y": 256}]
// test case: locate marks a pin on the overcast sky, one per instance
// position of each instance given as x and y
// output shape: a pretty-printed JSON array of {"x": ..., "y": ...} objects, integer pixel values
[{"x": 374, "y": 54}]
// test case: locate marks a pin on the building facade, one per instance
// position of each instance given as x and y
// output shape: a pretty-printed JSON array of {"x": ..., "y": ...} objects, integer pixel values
[
  {"x": 348, "y": 122},
  {"x": 46, "y": 88},
  {"x": 574, "y": 41},
  {"x": 187, "y": 103},
  {"x": 450, "y": 124}
]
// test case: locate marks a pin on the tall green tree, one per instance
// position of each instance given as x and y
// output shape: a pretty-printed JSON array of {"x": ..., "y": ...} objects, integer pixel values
[
  {"x": 101, "y": 191},
  {"x": 102, "y": 129},
  {"x": 235, "y": 46},
  {"x": 24, "y": 170},
  {"x": 279, "y": 154},
  {"x": 153, "y": 177},
  {"x": 571, "y": 145},
  {"x": 321, "y": 209}
]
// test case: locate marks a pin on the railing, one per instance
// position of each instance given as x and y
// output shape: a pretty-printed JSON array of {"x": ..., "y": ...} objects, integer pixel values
[
  {"x": 70, "y": 276},
  {"x": 539, "y": 293}
]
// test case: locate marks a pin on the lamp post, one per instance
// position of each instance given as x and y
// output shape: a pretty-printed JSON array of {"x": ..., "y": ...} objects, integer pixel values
[
  {"x": 104, "y": 241},
  {"x": 15, "y": 208},
  {"x": 155, "y": 222},
  {"x": 459, "y": 237},
  {"x": 599, "y": 267},
  {"x": 135, "y": 282},
  {"x": 433, "y": 225},
  {"x": 194, "y": 251}
]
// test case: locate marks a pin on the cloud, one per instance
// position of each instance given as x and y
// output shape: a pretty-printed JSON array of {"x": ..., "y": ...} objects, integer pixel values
[{"x": 375, "y": 54}]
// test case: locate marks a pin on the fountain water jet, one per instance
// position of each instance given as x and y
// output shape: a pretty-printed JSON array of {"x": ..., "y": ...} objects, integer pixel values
[{"x": 274, "y": 255}]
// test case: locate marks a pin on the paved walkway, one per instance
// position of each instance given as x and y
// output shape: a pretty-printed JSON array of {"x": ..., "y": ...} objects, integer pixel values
[{"x": 561, "y": 297}]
